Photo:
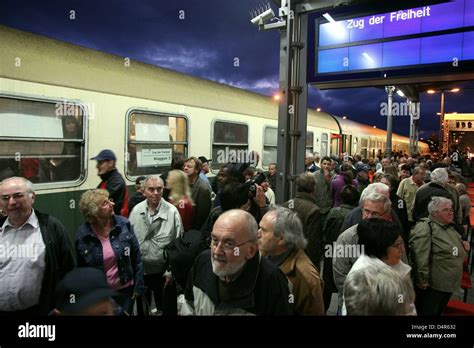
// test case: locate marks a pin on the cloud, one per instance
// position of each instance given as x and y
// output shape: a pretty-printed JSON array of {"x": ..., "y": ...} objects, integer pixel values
[
  {"x": 266, "y": 86},
  {"x": 180, "y": 58}
]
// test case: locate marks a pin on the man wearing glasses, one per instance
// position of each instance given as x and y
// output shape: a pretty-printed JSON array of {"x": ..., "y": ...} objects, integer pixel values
[
  {"x": 346, "y": 249},
  {"x": 35, "y": 252},
  {"x": 437, "y": 254},
  {"x": 232, "y": 278}
]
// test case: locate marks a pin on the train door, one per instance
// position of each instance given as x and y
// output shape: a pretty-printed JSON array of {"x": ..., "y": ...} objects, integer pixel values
[
  {"x": 335, "y": 144},
  {"x": 379, "y": 149},
  {"x": 372, "y": 148},
  {"x": 346, "y": 144},
  {"x": 364, "y": 144}
]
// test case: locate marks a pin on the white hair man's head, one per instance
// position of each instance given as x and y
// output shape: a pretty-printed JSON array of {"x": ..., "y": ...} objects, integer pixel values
[
  {"x": 376, "y": 187},
  {"x": 440, "y": 176}
]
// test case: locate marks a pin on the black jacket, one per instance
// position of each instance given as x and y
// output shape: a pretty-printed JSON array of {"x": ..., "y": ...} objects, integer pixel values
[
  {"x": 423, "y": 198},
  {"x": 59, "y": 258},
  {"x": 304, "y": 204},
  {"x": 261, "y": 288},
  {"x": 114, "y": 183}
]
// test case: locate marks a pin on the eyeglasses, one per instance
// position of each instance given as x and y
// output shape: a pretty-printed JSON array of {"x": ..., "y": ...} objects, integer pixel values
[
  {"x": 227, "y": 246},
  {"x": 153, "y": 189},
  {"x": 372, "y": 214},
  {"x": 15, "y": 196}
]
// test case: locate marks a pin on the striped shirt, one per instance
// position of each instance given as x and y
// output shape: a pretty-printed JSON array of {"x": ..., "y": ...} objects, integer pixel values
[{"x": 22, "y": 264}]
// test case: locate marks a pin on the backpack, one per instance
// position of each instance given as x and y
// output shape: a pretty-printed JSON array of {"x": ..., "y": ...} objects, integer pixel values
[{"x": 181, "y": 253}]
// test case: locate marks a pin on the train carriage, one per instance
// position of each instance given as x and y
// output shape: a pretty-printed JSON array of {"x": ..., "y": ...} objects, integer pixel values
[{"x": 60, "y": 104}]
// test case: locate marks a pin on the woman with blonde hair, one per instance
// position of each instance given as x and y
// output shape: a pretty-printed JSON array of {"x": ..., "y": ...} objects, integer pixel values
[
  {"x": 107, "y": 242},
  {"x": 180, "y": 196}
]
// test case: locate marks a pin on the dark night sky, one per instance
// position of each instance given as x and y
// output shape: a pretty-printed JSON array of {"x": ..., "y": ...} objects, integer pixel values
[{"x": 204, "y": 44}]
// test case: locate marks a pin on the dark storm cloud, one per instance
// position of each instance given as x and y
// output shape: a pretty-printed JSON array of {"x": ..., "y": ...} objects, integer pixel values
[{"x": 212, "y": 39}]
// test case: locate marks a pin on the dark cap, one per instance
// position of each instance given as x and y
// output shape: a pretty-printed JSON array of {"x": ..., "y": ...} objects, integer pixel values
[
  {"x": 204, "y": 159},
  {"x": 105, "y": 155},
  {"x": 80, "y": 288},
  {"x": 362, "y": 168}
]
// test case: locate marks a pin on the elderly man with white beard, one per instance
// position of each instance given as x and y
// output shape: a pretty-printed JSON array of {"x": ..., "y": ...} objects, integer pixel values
[{"x": 232, "y": 278}]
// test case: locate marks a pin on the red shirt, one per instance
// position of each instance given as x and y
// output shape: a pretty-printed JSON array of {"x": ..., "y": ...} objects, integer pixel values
[{"x": 186, "y": 211}]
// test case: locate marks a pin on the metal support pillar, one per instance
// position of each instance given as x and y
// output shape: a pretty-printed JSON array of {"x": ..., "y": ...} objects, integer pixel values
[
  {"x": 441, "y": 124},
  {"x": 414, "y": 109},
  {"x": 388, "y": 150},
  {"x": 292, "y": 112}
]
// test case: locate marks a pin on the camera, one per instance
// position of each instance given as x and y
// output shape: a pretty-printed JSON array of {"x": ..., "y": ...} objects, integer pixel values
[{"x": 258, "y": 179}]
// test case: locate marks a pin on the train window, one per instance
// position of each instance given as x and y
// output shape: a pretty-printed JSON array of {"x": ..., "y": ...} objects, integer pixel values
[
  {"x": 153, "y": 140},
  {"x": 230, "y": 143},
  {"x": 309, "y": 142},
  {"x": 270, "y": 139},
  {"x": 41, "y": 141},
  {"x": 324, "y": 144}
]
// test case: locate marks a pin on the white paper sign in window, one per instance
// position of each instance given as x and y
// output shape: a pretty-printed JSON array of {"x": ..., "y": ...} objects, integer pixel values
[{"x": 154, "y": 157}]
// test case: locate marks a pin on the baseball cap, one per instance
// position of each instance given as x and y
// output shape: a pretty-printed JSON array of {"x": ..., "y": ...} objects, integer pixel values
[
  {"x": 105, "y": 155},
  {"x": 81, "y": 288},
  {"x": 204, "y": 159}
]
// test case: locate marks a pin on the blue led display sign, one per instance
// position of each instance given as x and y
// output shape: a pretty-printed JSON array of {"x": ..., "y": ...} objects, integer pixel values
[{"x": 411, "y": 43}]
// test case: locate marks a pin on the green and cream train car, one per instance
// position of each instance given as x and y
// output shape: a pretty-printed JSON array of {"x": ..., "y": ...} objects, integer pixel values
[{"x": 60, "y": 104}]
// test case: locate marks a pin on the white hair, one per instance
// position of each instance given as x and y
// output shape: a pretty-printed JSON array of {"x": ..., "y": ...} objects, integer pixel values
[
  {"x": 376, "y": 187},
  {"x": 378, "y": 197},
  {"x": 439, "y": 176},
  {"x": 377, "y": 290},
  {"x": 153, "y": 177},
  {"x": 436, "y": 202},
  {"x": 29, "y": 185}
]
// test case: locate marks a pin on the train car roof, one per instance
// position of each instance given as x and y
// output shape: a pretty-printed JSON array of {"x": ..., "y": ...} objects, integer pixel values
[
  {"x": 354, "y": 128},
  {"x": 48, "y": 61}
]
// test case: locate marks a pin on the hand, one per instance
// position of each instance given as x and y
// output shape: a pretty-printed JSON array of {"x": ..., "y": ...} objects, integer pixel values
[
  {"x": 260, "y": 197},
  {"x": 423, "y": 286},
  {"x": 168, "y": 281},
  {"x": 135, "y": 295}
]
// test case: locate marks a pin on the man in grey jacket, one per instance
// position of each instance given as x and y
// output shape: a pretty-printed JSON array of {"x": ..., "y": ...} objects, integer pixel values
[
  {"x": 156, "y": 223},
  {"x": 346, "y": 250},
  {"x": 322, "y": 190}
]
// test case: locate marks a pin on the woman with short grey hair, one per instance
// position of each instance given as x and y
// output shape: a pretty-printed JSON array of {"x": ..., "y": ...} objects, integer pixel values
[
  {"x": 378, "y": 290},
  {"x": 437, "y": 254}
]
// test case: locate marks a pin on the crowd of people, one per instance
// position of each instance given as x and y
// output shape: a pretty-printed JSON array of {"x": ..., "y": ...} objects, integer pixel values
[{"x": 388, "y": 236}]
